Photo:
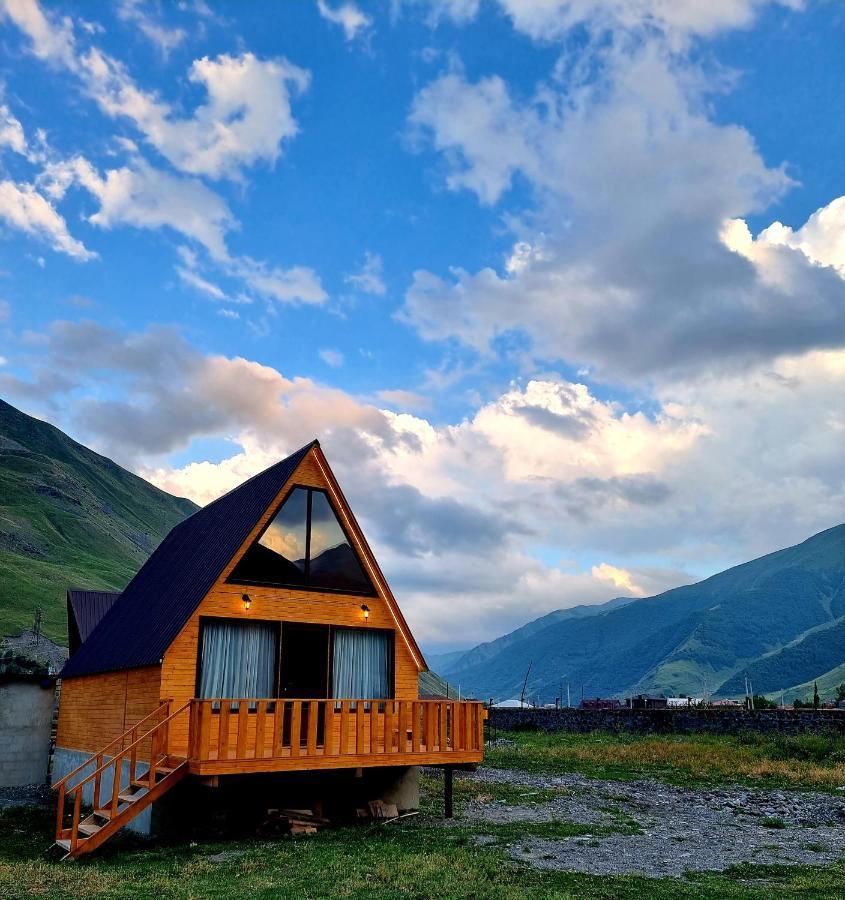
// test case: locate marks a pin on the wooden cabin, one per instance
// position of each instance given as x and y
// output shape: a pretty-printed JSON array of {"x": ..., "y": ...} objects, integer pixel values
[{"x": 261, "y": 637}]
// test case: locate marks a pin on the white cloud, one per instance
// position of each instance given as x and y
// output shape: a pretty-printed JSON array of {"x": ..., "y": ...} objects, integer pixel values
[
  {"x": 333, "y": 358},
  {"x": 245, "y": 120},
  {"x": 370, "y": 277},
  {"x": 821, "y": 239},
  {"x": 24, "y": 208},
  {"x": 548, "y": 20},
  {"x": 722, "y": 469},
  {"x": 52, "y": 39},
  {"x": 144, "y": 197},
  {"x": 137, "y": 15},
  {"x": 203, "y": 285},
  {"x": 632, "y": 184},
  {"x": 11, "y": 132},
  {"x": 348, "y": 16},
  {"x": 298, "y": 284}
]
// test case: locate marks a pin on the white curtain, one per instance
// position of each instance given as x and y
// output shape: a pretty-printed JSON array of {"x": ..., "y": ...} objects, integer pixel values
[
  {"x": 238, "y": 659},
  {"x": 360, "y": 664}
]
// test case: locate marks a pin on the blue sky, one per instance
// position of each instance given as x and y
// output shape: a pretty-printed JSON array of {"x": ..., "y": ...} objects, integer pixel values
[{"x": 558, "y": 285}]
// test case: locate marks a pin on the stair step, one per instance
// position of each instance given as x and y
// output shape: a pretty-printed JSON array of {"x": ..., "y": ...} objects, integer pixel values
[
  {"x": 89, "y": 827},
  {"x": 64, "y": 843},
  {"x": 128, "y": 797},
  {"x": 104, "y": 813}
]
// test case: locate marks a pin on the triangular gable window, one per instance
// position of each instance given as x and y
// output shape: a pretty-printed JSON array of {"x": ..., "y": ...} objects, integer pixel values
[{"x": 304, "y": 546}]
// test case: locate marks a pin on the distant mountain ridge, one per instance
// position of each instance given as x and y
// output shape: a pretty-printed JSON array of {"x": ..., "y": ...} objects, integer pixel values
[
  {"x": 779, "y": 618},
  {"x": 68, "y": 518}
]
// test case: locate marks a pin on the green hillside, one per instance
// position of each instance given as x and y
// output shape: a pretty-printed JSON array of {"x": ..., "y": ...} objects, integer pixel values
[
  {"x": 68, "y": 517},
  {"x": 778, "y": 617}
]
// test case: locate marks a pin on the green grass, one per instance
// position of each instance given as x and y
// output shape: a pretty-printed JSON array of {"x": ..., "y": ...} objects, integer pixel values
[
  {"x": 814, "y": 761},
  {"x": 416, "y": 859}
]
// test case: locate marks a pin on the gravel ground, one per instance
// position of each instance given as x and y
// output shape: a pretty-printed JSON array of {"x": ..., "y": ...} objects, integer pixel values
[{"x": 683, "y": 829}]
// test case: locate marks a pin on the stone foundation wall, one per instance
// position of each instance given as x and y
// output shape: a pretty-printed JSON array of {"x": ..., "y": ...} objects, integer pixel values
[{"x": 670, "y": 721}]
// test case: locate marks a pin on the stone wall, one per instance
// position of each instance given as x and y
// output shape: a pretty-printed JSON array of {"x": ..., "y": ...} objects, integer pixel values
[
  {"x": 669, "y": 721},
  {"x": 26, "y": 712}
]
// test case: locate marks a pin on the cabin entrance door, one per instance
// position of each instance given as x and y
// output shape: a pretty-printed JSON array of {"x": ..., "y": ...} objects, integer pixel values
[{"x": 304, "y": 673}]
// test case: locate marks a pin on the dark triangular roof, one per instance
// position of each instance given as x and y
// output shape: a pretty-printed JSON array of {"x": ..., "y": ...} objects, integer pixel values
[
  {"x": 171, "y": 584},
  {"x": 84, "y": 610}
]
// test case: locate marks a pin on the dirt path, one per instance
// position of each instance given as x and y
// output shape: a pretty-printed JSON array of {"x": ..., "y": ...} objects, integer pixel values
[{"x": 681, "y": 829}]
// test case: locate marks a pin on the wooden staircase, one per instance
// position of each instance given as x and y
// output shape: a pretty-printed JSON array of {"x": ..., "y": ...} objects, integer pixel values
[{"x": 131, "y": 792}]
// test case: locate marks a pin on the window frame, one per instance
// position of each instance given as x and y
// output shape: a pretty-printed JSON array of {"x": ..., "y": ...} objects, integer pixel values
[{"x": 371, "y": 592}]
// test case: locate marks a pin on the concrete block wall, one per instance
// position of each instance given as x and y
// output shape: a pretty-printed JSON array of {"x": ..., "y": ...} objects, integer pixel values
[{"x": 26, "y": 713}]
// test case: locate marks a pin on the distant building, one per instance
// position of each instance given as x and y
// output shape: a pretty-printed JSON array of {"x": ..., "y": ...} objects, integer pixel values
[
  {"x": 512, "y": 704},
  {"x": 599, "y": 703},
  {"x": 683, "y": 701},
  {"x": 723, "y": 703},
  {"x": 644, "y": 701}
]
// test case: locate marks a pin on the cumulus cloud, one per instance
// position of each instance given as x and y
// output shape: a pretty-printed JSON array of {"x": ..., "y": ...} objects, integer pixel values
[
  {"x": 348, "y": 16},
  {"x": 22, "y": 207},
  {"x": 620, "y": 265},
  {"x": 245, "y": 119}
]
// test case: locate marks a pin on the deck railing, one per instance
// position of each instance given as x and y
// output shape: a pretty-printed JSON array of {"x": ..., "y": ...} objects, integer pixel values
[{"x": 256, "y": 729}]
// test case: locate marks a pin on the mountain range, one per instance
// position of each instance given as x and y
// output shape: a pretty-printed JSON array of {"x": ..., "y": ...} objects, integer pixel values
[
  {"x": 779, "y": 620},
  {"x": 68, "y": 518}
]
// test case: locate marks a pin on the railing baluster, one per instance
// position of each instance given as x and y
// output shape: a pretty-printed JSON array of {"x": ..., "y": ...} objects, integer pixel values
[
  {"x": 115, "y": 782},
  {"x": 223, "y": 736},
  {"x": 260, "y": 721},
  {"x": 278, "y": 727},
  {"x": 97, "y": 765},
  {"x": 441, "y": 746},
  {"x": 328, "y": 727},
  {"x": 243, "y": 725},
  {"x": 312, "y": 728},
  {"x": 388, "y": 726},
  {"x": 415, "y": 727},
  {"x": 373, "y": 726},
  {"x": 359, "y": 726},
  {"x": 344, "y": 728},
  {"x": 60, "y": 811},
  {"x": 295, "y": 726},
  {"x": 431, "y": 726},
  {"x": 74, "y": 828}
]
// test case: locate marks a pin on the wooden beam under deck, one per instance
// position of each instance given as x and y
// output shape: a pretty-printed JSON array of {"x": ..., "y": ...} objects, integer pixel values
[{"x": 303, "y": 764}]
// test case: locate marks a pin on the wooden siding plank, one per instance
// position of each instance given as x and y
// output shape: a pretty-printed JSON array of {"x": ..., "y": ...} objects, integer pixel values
[{"x": 313, "y": 712}]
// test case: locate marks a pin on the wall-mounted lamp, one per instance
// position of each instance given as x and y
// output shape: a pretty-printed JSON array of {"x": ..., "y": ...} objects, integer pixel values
[
  {"x": 366, "y": 611},
  {"x": 247, "y": 602}
]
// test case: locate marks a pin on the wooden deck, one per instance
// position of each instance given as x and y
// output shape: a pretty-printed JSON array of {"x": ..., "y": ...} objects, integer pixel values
[{"x": 239, "y": 736}]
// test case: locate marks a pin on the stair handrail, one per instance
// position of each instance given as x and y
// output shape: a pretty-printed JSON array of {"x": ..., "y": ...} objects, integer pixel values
[
  {"x": 162, "y": 705},
  {"x": 114, "y": 761}
]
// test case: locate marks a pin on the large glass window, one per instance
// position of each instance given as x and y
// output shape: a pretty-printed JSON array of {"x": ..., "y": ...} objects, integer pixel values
[
  {"x": 238, "y": 658},
  {"x": 361, "y": 663},
  {"x": 305, "y": 545}
]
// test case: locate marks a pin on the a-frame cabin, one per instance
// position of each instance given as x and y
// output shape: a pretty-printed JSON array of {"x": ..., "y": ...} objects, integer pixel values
[{"x": 260, "y": 637}]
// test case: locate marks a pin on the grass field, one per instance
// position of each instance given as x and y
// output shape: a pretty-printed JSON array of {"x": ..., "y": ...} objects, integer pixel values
[
  {"x": 422, "y": 857},
  {"x": 814, "y": 761}
]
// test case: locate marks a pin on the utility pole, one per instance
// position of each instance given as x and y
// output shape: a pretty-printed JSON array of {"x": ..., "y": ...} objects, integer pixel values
[
  {"x": 525, "y": 684},
  {"x": 568, "y": 699}
]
